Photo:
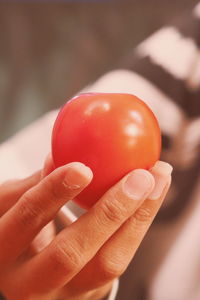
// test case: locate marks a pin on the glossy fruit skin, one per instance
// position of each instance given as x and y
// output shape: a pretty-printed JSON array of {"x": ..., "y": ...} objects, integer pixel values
[{"x": 111, "y": 133}]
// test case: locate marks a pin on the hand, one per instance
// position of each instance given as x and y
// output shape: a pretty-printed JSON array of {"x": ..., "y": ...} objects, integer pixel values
[{"x": 82, "y": 261}]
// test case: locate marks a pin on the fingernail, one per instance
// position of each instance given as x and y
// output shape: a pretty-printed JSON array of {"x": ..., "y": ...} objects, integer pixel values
[
  {"x": 162, "y": 168},
  {"x": 138, "y": 184},
  {"x": 77, "y": 176},
  {"x": 162, "y": 174}
]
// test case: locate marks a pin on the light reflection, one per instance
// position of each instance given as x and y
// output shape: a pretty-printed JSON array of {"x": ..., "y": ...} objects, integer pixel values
[
  {"x": 132, "y": 130},
  {"x": 97, "y": 106},
  {"x": 135, "y": 115}
]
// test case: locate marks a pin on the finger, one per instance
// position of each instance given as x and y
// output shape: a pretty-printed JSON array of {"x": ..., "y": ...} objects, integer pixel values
[
  {"x": 115, "y": 255},
  {"x": 44, "y": 237},
  {"x": 12, "y": 190},
  {"x": 41, "y": 241},
  {"x": 48, "y": 166},
  {"x": 77, "y": 244},
  {"x": 38, "y": 206}
]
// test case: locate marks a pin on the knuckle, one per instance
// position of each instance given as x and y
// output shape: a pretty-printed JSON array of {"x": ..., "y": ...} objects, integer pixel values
[
  {"x": 66, "y": 257},
  {"x": 113, "y": 210},
  {"x": 110, "y": 269},
  {"x": 142, "y": 216}
]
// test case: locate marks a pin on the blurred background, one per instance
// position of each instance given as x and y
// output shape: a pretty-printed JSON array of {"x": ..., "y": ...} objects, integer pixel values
[{"x": 49, "y": 51}]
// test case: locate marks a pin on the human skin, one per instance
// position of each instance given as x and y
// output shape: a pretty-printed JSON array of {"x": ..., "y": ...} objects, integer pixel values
[{"x": 82, "y": 260}]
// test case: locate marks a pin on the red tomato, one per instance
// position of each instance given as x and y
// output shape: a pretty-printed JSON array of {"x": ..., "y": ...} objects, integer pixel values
[{"x": 111, "y": 133}]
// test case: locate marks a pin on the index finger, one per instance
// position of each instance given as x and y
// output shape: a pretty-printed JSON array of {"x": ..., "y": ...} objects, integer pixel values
[{"x": 37, "y": 207}]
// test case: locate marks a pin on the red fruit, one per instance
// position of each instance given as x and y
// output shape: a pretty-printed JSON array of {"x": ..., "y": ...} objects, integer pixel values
[{"x": 111, "y": 133}]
